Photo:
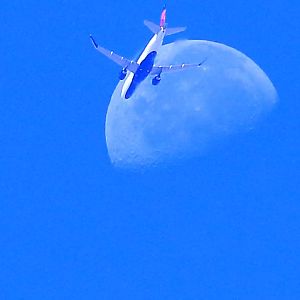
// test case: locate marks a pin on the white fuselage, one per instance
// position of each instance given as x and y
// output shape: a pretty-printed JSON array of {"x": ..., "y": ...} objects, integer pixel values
[{"x": 153, "y": 45}]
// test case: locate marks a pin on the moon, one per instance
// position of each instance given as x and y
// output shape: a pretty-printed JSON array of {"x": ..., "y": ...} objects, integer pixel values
[{"x": 188, "y": 110}]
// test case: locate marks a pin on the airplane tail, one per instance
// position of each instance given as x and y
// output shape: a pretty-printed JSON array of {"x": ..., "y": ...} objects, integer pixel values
[
  {"x": 156, "y": 28},
  {"x": 163, "y": 25}
]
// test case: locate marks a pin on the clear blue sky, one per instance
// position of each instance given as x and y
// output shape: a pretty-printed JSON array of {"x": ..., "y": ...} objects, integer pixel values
[{"x": 224, "y": 226}]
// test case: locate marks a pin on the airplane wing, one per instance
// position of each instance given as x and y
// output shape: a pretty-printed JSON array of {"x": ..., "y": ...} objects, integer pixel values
[
  {"x": 157, "y": 70},
  {"x": 130, "y": 65}
]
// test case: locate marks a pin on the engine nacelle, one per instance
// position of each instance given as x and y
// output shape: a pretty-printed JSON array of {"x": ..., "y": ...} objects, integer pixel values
[
  {"x": 123, "y": 74},
  {"x": 156, "y": 80}
]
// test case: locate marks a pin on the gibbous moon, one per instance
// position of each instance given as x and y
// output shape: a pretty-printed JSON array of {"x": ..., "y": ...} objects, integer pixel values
[{"x": 188, "y": 110}]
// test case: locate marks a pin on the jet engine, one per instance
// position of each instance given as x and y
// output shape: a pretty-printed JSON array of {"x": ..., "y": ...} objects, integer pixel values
[
  {"x": 156, "y": 80},
  {"x": 123, "y": 74}
]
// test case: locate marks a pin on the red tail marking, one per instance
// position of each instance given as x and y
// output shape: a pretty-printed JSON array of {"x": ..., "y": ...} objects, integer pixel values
[{"x": 163, "y": 18}]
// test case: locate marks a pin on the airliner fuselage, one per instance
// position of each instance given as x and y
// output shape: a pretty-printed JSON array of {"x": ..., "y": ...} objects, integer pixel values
[
  {"x": 146, "y": 62},
  {"x": 134, "y": 72}
]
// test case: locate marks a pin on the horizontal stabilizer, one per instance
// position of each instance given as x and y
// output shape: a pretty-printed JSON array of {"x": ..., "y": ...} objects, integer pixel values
[
  {"x": 174, "y": 30},
  {"x": 153, "y": 27}
]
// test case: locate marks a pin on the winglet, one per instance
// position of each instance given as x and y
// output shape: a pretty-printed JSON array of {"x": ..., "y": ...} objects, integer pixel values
[{"x": 93, "y": 41}]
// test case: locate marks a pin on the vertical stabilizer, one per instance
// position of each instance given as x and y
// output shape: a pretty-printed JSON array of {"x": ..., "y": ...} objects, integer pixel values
[{"x": 163, "y": 17}]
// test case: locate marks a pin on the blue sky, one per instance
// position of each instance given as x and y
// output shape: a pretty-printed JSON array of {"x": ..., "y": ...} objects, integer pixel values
[{"x": 223, "y": 226}]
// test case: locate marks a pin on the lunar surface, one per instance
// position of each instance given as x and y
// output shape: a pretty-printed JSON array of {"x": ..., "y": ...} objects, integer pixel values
[{"x": 189, "y": 110}]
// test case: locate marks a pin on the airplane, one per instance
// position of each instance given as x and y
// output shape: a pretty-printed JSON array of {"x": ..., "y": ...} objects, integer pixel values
[{"x": 134, "y": 72}]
